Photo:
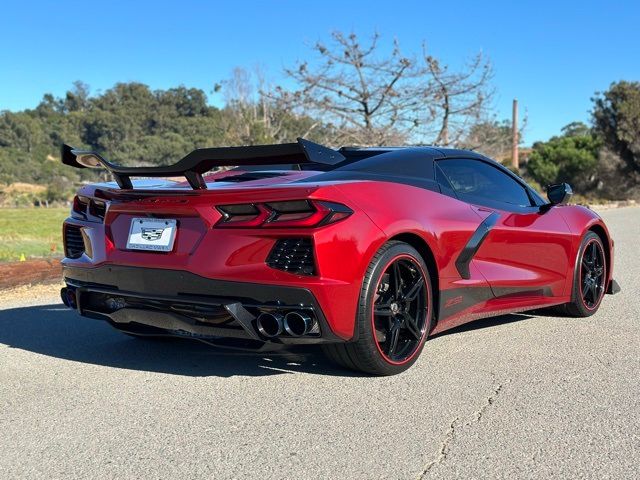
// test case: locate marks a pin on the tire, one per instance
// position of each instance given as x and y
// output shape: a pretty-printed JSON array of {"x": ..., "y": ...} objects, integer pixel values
[
  {"x": 589, "y": 276},
  {"x": 391, "y": 338}
]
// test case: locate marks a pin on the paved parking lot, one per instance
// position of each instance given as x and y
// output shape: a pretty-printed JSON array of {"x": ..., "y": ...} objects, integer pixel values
[{"x": 515, "y": 396}]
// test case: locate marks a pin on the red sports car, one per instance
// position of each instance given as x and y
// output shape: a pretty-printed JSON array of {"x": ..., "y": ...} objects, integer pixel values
[{"x": 364, "y": 250}]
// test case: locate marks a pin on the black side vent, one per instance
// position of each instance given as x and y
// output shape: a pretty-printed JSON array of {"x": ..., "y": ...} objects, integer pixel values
[
  {"x": 73, "y": 242},
  {"x": 293, "y": 255}
]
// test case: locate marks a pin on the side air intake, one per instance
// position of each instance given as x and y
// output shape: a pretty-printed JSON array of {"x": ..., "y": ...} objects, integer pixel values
[
  {"x": 293, "y": 255},
  {"x": 73, "y": 242}
]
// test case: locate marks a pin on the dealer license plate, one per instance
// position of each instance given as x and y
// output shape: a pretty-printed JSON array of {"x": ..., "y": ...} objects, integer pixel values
[{"x": 155, "y": 234}]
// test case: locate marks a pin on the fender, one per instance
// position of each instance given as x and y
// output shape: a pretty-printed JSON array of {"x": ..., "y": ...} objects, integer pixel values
[{"x": 580, "y": 220}]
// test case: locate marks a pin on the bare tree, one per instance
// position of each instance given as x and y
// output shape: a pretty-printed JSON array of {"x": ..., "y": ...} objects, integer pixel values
[
  {"x": 459, "y": 98},
  {"x": 254, "y": 117},
  {"x": 492, "y": 138},
  {"x": 370, "y": 98},
  {"x": 238, "y": 93}
]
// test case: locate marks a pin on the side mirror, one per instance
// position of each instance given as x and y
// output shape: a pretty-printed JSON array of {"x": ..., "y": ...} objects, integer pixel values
[{"x": 559, "y": 193}]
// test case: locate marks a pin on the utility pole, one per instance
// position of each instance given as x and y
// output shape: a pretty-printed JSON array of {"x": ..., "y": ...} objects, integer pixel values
[{"x": 514, "y": 134}]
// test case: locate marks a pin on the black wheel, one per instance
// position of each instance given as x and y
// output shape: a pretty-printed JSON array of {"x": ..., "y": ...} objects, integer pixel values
[
  {"x": 394, "y": 314},
  {"x": 590, "y": 278}
]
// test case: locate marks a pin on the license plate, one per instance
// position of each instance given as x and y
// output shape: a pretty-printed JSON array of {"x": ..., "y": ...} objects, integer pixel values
[{"x": 155, "y": 234}]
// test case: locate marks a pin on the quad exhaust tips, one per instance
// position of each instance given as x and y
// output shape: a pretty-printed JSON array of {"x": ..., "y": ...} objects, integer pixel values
[
  {"x": 297, "y": 324},
  {"x": 269, "y": 324},
  {"x": 274, "y": 324}
]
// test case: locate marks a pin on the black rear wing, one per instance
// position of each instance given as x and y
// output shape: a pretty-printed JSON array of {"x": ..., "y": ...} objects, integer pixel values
[{"x": 200, "y": 161}]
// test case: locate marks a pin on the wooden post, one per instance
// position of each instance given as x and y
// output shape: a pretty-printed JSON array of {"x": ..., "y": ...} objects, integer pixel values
[{"x": 515, "y": 161}]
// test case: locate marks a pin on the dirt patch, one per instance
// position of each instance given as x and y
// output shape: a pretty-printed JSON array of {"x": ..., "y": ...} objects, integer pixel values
[
  {"x": 31, "y": 294},
  {"x": 14, "y": 274}
]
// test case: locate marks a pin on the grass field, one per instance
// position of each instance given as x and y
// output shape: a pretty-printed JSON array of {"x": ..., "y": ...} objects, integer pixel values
[{"x": 34, "y": 232}]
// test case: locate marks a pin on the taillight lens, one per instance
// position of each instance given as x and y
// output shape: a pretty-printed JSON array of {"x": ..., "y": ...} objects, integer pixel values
[
  {"x": 287, "y": 214},
  {"x": 80, "y": 205},
  {"x": 90, "y": 209},
  {"x": 98, "y": 208}
]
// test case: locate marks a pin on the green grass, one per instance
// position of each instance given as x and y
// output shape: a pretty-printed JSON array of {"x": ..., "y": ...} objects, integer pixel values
[{"x": 34, "y": 232}]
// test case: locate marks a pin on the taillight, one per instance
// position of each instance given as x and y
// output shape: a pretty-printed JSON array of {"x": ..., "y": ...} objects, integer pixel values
[
  {"x": 287, "y": 214},
  {"x": 85, "y": 208},
  {"x": 80, "y": 205},
  {"x": 98, "y": 208}
]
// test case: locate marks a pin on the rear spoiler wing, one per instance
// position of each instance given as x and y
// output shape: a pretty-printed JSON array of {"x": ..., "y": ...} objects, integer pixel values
[{"x": 202, "y": 160}]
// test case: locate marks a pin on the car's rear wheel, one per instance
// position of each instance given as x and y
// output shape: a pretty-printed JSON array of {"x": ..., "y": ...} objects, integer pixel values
[
  {"x": 394, "y": 314},
  {"x": 590, "y": 277}
]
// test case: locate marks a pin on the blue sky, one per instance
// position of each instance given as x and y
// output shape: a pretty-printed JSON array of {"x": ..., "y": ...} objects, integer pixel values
[{"x": 551, "y": 55}]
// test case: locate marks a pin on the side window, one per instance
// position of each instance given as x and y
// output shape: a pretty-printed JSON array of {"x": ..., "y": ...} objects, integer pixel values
[
  {"x": 443, "y": 182},
  {"x": 477, "y": 181}
]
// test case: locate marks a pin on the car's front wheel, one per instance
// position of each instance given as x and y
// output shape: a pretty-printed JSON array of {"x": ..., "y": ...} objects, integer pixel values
[
  {"x": 589, "y": 282},
  {"x": 394, "y": 313}
]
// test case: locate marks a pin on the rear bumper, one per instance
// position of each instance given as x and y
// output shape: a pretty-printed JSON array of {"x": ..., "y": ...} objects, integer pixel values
[{"x": 174, "y": 302}]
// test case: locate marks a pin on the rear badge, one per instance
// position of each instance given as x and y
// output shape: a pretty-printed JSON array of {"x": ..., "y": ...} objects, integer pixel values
[{"x": 152, "y": 234}]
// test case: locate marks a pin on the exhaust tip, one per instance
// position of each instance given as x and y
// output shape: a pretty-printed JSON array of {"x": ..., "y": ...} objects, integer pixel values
[
  {"x": 63, "y": 296},
  {"x": 269, "y": 324},
  {"x": 68, "y": 297},
  {"x": 297, "y": 324}
]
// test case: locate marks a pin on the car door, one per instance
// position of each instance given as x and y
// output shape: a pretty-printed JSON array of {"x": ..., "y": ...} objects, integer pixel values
[{"x": 522, "y": 250}]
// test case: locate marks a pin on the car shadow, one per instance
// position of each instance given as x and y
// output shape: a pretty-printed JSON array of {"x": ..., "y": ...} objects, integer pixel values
[
  {"x": 487, "y": 323},
  {"x": 59, "y": 332},
  {"x": 56, "y": 331}
]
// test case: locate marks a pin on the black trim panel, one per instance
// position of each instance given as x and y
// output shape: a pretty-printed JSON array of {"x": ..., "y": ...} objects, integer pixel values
[
  {"x": 181, "y": 286},
  {"x": 455, "y": 300},
  {"x": 474, "y": 243}
]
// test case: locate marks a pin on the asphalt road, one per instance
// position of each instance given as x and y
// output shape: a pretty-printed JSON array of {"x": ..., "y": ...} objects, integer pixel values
[{"x": 524, "y": 396}]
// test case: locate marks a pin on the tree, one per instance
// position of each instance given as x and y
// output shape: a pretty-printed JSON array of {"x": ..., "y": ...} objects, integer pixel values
[
  {"x": 372, "y": 98},
  {"x": 20, "y": 130},
  {"x": 569, "y": 158},
  {"x": 134, "y": 125},
  {"x": 490, "y": 137},
  {"x": 459, "y": 98},
  {"x": 129, "y": 123},
  {"x": 616, "y": 118},
  {"x": 77, "y": 99},
  {"x": 252, "y": 116},
  {"x": 576, "y": 129},
  {"x": 245, "y": 123}
]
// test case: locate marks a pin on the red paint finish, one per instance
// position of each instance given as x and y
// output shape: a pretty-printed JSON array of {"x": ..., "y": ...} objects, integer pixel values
[
  {"x": 527, "y": 260},
  {"x": 526, "y": 250}
]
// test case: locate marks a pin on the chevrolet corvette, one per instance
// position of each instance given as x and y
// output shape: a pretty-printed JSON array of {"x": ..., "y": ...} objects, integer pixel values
[{"x": 366, "y": 251}]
